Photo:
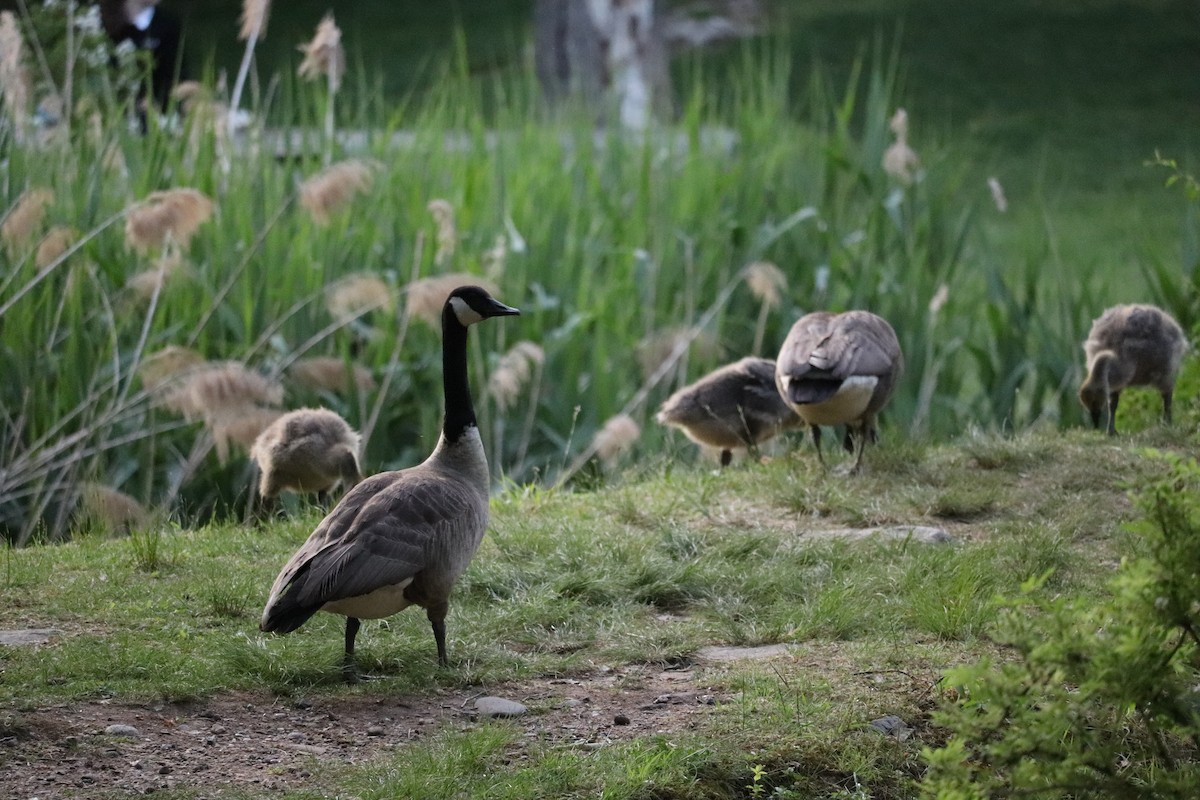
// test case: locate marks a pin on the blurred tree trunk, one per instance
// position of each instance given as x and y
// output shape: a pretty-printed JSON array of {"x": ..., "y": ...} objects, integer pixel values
[{"x": 607, "y": 54}]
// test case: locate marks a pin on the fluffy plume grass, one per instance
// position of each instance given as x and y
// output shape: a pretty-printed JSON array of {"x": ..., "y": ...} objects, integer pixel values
[
  {"x": 333, "y": 188},
  {"x": 56, "y": 242},
  {"x": 238, "y": 425},
  {"x": 654, "y": 350},
  {"x": 616, "y": 438},
  {"x": 357, "y": 294},
  {"x": 24, "y": 220},
  {"x": 899, "y": 160},
  {"x": 169, "y": 216},
  {"x": 169, "y": 266},
  {"x": 330, "y": 374},
  {"x": 208, "y": 391},
  {"x": 447, "y": 233},
  {"x": 110, "y": 509},
  {"x": 767, "y": 283},
  {"x": 426, "y": 296},
  {"x": 14, "y": 76},
  {"x": 167, "y": 364},
  {"x": 324, "y": 56},
  {"x": 513, "y": 372}
]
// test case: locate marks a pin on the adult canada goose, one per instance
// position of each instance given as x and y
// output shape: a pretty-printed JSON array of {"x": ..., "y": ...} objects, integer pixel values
[
  {"x": 401, "y": 538},
  {"x": 306, "y": 450},
  {"x": 840, "y": 369},
  {"x": 1130, "y": 345},
  {"x": 735, "y": 406}
]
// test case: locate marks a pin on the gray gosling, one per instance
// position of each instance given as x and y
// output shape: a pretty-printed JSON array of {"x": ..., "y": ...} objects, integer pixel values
[
  {"x": 401, "y": 538},
  {"x": 731, "y": 408},
  {"x": 306, "y": 450},
  {"x": 840, "y": 369},
  {"x": 1130, "y": 345}
]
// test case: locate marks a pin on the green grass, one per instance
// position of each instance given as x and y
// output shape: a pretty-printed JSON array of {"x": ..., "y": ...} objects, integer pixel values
[{"x": 566, "y": 582}]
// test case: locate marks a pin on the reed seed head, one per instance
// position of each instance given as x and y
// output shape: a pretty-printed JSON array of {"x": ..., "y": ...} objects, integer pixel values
[
  {"x": 766, "y": 282},
  {"x": 14, "y": 77},
  {"x": 146, "y": 283},
  {"x": 324, "y": 56},
  {"x": 331, "y": 374},
  {"x": 616, "y": 438},
  {"x": 25, "y": 218},
  {"x": 111, "y": 508},
  {"x": 331, "y": 189},
  {"x": 998, "y": 194},
  {"x": 900, "y": 161},
  {"x": 167, "y": 364},
  {"x": 169, "y": 216},
  {"x": 238, "y": 425},
  {"x": 513, "y": 372},
  {"x": 447, "y": 235},
  {"x": 210, "y": 390},
  {"x": 56, "y": 242},
  {"x": 939, "y": 299},
  {"x": 254, "y": 19},
  {"x": 426, "y": 296},
  {"x": 654, "y": 350},
  {"x": 354, "y": 295}
]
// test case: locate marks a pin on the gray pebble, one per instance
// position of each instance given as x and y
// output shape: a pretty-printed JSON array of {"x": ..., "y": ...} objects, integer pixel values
[
  {"x": 123, "y": 730},
  {"x": 375, "y": 730},
  {"x": 891, "y": 725},
  {"x": 621, "y": 719},
  {"x": 499, "y": 707}
]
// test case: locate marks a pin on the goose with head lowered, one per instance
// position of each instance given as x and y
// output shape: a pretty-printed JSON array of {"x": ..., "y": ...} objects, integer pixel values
[
  {"x": 840, "y": 369},
  {"x": 1130, "y": 345},
  {"x": 401, "y": 538},
  {"x": 731, "y": 408}
]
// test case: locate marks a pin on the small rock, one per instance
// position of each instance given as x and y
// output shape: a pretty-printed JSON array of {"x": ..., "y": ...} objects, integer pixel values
[
  {"x": 620, "y": 719},
  {"x": 499, "y": 707},
  {"x": 893, "y": 726},
  {"x": 375, "y": 730},
  {"x": 219, "y": 729},
  {"x": 296, "y": 736},
  {"x": 28, "y": 636},
  {"x": 123, "y": 730},
  {"x": 572, "y": 702},
  {"x": 742, "y": 653},
  {"x": 303, "y": 704},
  {"x": 165, "y": 769},
  {"x": 708, "y": 700}
]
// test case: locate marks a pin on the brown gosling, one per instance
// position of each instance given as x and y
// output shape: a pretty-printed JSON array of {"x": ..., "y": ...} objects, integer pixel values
[
  {"x": 401, "y": 538},
  {"x": 306, "y": 450},
  {"x": 735, "y": 407},
  {"x": 840, "y": 369},
  {"x": 1130, "y": 345}
]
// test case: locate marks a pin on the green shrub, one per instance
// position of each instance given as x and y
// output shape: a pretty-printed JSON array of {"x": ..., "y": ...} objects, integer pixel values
[{"x": 1099, "y": 699}]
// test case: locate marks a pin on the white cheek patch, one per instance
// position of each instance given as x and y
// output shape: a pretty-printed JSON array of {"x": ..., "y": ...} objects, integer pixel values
[{"x": 466, "y": 315}]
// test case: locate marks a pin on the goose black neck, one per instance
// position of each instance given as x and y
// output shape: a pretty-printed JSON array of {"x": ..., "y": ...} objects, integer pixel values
[{"x": 460, "y": 412}]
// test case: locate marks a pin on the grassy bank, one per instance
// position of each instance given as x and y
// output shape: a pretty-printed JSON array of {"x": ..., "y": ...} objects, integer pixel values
[{"x": 575, "y": 587}]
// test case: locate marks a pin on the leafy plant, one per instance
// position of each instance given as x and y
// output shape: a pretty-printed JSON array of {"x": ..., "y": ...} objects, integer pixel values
[{"x": 1099, "y": 700}]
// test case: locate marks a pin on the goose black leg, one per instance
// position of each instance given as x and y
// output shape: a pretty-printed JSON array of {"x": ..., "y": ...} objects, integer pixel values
[
  {"x": 437, "y": 619},
  {"x": 1166, "y": 396},
  {"x": 349, "y": 668},
  {"x": 816, "y": 434},
  {"x": 1112, "y": 413},
  {"x": 726, "y": 457}
]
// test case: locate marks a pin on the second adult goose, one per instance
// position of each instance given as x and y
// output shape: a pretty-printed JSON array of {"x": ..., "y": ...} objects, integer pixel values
[
  {"x": 401, "y": 538},
  {"x": 840, "y": 369},
  {"x": 733, "y": 407}
]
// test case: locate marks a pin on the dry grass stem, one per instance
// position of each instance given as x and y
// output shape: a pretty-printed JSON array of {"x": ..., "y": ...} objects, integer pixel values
[
  {"x": 766, "y": 282},
  {"x": 447, "y": 235},
  {"x": 324, "y": 56},
  {"x": 332, "y": 188},
  {"x": 998, "y": 194},
  {"x": 56, "y": 242},
  {"x": 210, "y": 390},
  {"x": 331, "y": 374},
  {"x": 167, "y": 364},
  {"x": 427, "y": 295},
  {"x": 169, "y": 216},
  {"x": 495, "y": 258},
  {"x": 254, "y": 19},
  {"x": 513, "y": 372},
  {"x": 615, "y": 439},
  {"x": 939, "y": 299},
  {"x": 355, "y": 295},
  {"x": 25, "y": 218}
]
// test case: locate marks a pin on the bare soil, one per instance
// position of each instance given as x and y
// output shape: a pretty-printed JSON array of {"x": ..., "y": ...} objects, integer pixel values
[{"x": 260, "y": 744}]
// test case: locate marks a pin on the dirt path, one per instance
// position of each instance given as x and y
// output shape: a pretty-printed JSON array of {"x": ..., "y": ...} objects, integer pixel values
[{"x": 264, "y": 744}]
